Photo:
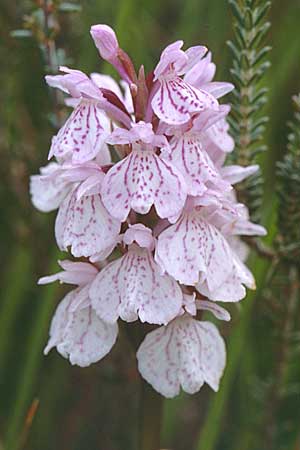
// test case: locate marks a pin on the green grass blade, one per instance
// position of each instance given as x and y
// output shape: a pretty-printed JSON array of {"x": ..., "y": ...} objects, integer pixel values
[{"x": 33, "y": 352}]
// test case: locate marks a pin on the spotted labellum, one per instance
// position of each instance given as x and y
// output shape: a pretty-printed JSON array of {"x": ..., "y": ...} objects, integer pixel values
[{"x": 145, "y": 200}]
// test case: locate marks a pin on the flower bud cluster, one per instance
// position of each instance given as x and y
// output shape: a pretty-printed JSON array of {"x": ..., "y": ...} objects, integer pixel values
[{"x": 146, "y": 202}]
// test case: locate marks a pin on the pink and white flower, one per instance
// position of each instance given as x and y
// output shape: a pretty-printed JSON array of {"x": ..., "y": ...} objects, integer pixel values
[
  {"x": 132, "y": 286},
  {"x": 82, "y": 222},
  {"x": 175, "y": 100},
  {"x": 48, "y": 190},
  {"x": 217, "y": 138},
  {"x": 185, "y": 354},
  {"x": 188, "y": 153},
  {"x": 76, "y": 331},
  {"x": 142, "y": 179},
  {"x": 192, "y": 250},
  {"x": 232, "y": 289},
  {"x": 231, "y": 217},
  {"x": 83, "y": 135},
  {"x": 201, "y": 75}
]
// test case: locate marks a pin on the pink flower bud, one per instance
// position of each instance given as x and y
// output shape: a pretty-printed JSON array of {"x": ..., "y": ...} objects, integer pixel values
[{"x": 105, "y": 40}]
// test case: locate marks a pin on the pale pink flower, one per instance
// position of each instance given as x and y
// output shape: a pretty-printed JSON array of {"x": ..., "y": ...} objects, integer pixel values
[
  {"x": 193, "y": 250},
  {"x": 231, "y": 217},
  {"x": 82, "y": 222},
  {"x": 55, "y": 181},
  {"x": 217, "y": 137},
  {"x": 85, "y": 225},
  {"x": 142, "y": 179},
  {"x": 201, "y": 75},
  {"x": 185, "y": 353},
  {"x": 202, "y": 72},
  {"x": 48, "y": 190},
  {"x": 232, "y": 289},
  {"x": 132, "y": 286},
  {"x": 74, "y": 83},
  {"x": 175, "y": 100},
  {"x": 107, "y": 83},
  {"x": 188, "y": 153},
  {"x": 84, "y": 133},
  {"x": 76, "y": 331}
]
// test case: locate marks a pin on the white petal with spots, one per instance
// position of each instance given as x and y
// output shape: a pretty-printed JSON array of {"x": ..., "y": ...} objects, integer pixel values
[
  {"x": 47, "y": 191},
  {"x": 233, "y": 288},
  {"x": 82, "y": 136},
  {"x": 132, "y": 287},
  {"x": 175, "y": 101},
  {"x": 77, "y": 332},
  {"x": 192, "y": 249},
  {"x": 190, "y": 158},
  {"x": 85, "y": 225},
  {"x": 141, "y": 180},
  {"x": 185, "y": 353}
]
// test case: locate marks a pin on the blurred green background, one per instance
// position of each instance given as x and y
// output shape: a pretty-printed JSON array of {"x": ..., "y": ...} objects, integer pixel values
[{"x": 97, "y": 407}]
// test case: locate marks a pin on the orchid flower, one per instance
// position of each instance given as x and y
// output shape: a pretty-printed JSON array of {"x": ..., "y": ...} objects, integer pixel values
[{"x": 145, "y": 199}]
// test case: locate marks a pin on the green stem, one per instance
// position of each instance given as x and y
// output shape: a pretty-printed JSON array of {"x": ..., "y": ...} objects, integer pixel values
[{"x": 150, "y": 418}]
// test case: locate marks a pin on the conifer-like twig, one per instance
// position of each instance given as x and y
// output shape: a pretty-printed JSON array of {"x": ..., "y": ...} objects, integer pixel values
[
  {"x": 288, "y": 176},
  {"x": 285, "y": 292},
  {"x": 249, "y": 66}
]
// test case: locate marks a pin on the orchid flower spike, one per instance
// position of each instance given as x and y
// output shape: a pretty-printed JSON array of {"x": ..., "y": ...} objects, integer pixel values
[{"x": 146, "y": 200}]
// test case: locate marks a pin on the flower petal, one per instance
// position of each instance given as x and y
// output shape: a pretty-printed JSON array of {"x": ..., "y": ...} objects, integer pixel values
[
  {"x": 218, "y": 88},
  {"x": 234, "y": 174},
  {"x": 175, "y": 101},
  {"x": 192, "y": 248},
  {"x": 219, "y": 136},
  {"x": 232, "y": 289},
  {"x": 201, "y": 73},
  {"x": 75, "y": 83},
  {"x": 219, "y": 312},
  {"x": 190, "y": 158},
  {"x": 79, "y": 334},
  {"x": 171, "y": 55},
  {"x": 141, "y": 180},
  {"x": 85, "y": 225},
  {"x": 214, "y": 353},
  {"x": 184, "y": 353},
  {"x": 132, "y": 287},
  {"x": 79, "y": 273},
  {"x": 82, "y": 136},
  {"x": 141, "y": 235},
  {"x": 47, "y": 192}
]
